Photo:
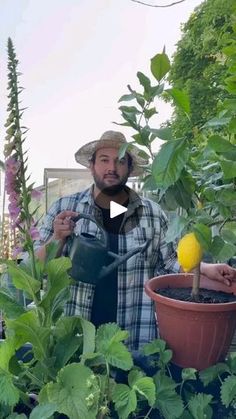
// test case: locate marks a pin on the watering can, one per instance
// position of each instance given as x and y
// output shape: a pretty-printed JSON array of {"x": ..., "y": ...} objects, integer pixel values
[{"x": 90, "y": 256}]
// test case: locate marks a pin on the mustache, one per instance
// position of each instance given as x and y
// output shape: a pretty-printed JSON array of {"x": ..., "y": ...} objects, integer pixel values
[{"x": 111, "y": 174}]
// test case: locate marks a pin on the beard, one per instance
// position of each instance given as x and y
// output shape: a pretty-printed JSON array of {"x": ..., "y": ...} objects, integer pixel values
[{"x": 112, "y": 189}]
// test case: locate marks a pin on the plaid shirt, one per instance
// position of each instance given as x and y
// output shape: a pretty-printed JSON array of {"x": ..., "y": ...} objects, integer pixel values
[{"x": 135, "y": 310}]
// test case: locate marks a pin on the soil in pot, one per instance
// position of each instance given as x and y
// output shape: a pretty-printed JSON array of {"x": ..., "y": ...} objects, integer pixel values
[{"x": 205, "y": 295}]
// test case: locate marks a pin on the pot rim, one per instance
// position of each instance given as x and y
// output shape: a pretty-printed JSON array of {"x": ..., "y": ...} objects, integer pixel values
[{"x": 151, "y": 284}]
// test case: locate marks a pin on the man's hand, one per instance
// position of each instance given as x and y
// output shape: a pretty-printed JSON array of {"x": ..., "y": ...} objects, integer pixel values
[
  {"x": 63, "y": 225},
  {"x": 219, "y": 272}
]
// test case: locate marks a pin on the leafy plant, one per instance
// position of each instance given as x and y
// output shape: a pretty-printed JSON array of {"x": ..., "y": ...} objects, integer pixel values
[
  {"x": 192, "y": 178},
  {"x": 52, "y": 365}
]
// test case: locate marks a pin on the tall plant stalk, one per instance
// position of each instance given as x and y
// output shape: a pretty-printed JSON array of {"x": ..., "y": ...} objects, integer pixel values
[{"x": 19, "y": 192}]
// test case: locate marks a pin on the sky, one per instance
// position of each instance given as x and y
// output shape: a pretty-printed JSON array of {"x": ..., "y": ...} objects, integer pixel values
[{"x": 77, "y": 58}]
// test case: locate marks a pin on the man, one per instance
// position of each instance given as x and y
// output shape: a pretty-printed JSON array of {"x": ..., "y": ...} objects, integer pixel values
[{"x": 120, "y": 295}]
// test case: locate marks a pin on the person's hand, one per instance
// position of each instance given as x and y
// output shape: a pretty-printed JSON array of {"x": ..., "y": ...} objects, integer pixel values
[
  {"x": 219, "y": 272},
  {"x": 63, "y": 225}
]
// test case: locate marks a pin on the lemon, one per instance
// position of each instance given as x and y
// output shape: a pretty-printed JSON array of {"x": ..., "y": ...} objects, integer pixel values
[{"x": 189, "y": 252}]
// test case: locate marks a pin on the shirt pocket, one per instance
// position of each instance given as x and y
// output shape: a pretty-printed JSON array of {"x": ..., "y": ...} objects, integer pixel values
[{"x": 144, "y": 237}]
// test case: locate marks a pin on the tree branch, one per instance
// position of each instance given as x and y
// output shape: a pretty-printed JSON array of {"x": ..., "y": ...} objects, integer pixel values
[{"x": 158, "y": 5}]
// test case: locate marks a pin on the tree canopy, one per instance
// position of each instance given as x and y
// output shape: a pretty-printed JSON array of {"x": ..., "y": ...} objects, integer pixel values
[{"x": 198, "y": 65}]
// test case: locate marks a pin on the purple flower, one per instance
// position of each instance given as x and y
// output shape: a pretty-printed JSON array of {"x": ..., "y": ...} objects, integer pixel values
[
  {"x": 34, "y": 233},
  {"x": 12, "y": 166},
  {"x": 36, "y": 194},
  {"x": 16, "y": 251},
  {"x": 14, "y": 211}
]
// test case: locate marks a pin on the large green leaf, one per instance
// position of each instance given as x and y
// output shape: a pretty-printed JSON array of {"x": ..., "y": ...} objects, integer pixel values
[
  {"x": 57, "y": 281},
  {"x": 125, "y": 400},
  {"x": 144, "y": 81},
  {"x": 204, "y": 235},
  {"x": 228, "y": 390},
  {"x": 229, "y": 168},
  {"x": 210, "y": 374},
  {"x": 169, "y": 162},
  {"x": 164, "y": 134},
  {"x": 221, "y": 250},
  {"x": 175, "y": 228},
  {"x": 7, "y": 350},
  {"x": 24, "y": 281},
  {"x": 109, "y": 343},
  {"x": 76, "y": 392},
  {"x": 9, "y": 305},
  {"x": 221, "y": 145},
  {"x": 199, "y": 406},
  {"x": 73, "y": 325},
  {"x": 180, "y": 98},
  {"x": 43, "y": 411},
  {"x": 9, "y": 394},
  {"x": 168, "y": 401},
  {"x": 145, "y": 387},
  {"x": 160, "y": 65},
  {"x": 27, "y": 327}
]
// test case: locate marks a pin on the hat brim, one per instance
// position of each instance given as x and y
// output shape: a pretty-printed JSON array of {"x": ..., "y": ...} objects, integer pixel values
[{"x": 84, "y": 155}]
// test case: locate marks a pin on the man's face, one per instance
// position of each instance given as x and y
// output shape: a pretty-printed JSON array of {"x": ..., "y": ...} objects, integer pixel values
[{"x": 109, "y": 172}]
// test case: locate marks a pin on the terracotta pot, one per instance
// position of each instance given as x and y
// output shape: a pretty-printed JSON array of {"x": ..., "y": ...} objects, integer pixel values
[{"x": 198, "y": 334}]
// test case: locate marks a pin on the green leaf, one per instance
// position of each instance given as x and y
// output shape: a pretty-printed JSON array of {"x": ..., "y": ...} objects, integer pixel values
[
  {"x": 169, "y": 162},
  {"x": 149, "y": 183},
  {"x": 148, "y": 113},
  {"x": 126, "y": 98},
  {"x": 154, "y": 347},
  {"x": 27, "y": 327},
  {"x": 130, "y": 110},
  {"x": 7, "y": 350},
  {"x": 228, "y": 236},
  {"x": 134, "y": 375},
  {"x": 43, "y": 411},
  {"x": 145, "y": 387},
  {"x": 164, "y": 134},
  {"x": 229, "y": 168},
  {"x": 24, "y": 281},
  {"x": 189, "y": 374},
  {"x": 9, "y": 394},
  {"x": 108, "y": 343},
  {"x": 158, "y": 346},
  {"x": 210, "y": 374},
  {"x": 10, "y": 306},
  {"x": 75, "y": 325},
  {"x": 221, "y": 250},
  {"x": 144, "y": 81},
  {"x": 220, "y": 144},
  {"x": 198, "y": 406},
  {"x": 160, "y": 65},
  {"x": 76, "y": 392},
  {"x": 125, "y": 400},
  {"x": 217, "y": 122},
  {"x": 203, "y": 234},
  {"x": 180, "y": 98},
  {"x": 57, "y": 280},
  {"x": 168, "y": 401}
]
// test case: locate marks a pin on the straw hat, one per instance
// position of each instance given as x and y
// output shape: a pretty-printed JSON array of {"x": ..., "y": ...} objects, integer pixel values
[{"x": 112, "y": 139}]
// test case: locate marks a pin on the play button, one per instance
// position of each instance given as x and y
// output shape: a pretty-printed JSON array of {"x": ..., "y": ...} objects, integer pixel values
[{"x": 116, "y": 209}]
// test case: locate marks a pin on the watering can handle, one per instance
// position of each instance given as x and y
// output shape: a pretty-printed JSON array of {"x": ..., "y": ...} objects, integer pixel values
[{"x": 91, "y": 218}]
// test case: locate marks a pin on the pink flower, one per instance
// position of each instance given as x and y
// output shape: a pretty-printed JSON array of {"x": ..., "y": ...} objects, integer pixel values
[
  {"x": 36, "y": 194},
  {"x": 16, "y": 251},
  {"x": 34, "y": 233},
  {"x": 12, "y": 166},
  {"x": 14, "y": 211},
  {"x": 13, "y": 197}
]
